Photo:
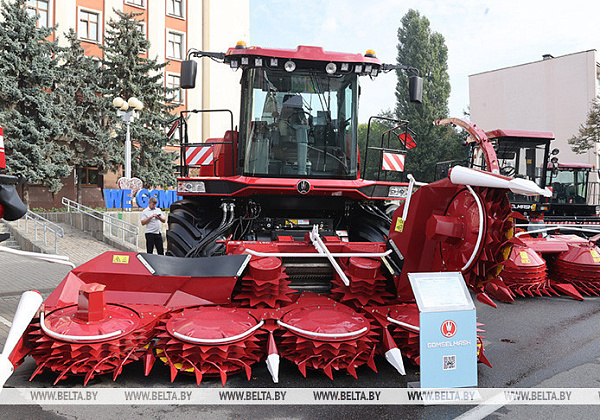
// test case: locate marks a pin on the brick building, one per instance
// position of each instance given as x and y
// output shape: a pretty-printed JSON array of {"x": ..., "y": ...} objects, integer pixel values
[{"x": 172, "y": 27}]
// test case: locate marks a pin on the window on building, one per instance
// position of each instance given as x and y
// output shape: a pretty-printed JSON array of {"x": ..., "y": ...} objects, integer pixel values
[
  {"x": 138, "y": 3},
  {"x": 89, "y": 176},
  {"x": 88, "y": 26},
  {"x": 174, "y": 82},
  {"x": 175, "y": 47},
  {"x": 39, "y": 8},
  {"x": 175, "y": 7}
]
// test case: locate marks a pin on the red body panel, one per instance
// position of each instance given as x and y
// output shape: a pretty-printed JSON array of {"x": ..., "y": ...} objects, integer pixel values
[
  {"x": 246, "y": 186},
  {"x": 303, "y": 53}
]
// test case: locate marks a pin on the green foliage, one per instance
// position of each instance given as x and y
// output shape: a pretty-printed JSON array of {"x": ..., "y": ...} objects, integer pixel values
[
  {"x": 420, "y": 47},
  {"x": 28, "y": 75},
  {"x": 127, "y": 74},
  {"x": 589, "y": 133},
  {"x": 86, "y": 114},
  {"x": 378, "y": 131}
]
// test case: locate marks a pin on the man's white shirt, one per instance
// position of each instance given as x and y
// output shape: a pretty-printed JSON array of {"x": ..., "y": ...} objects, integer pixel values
[{"x": 154, "y": 225}]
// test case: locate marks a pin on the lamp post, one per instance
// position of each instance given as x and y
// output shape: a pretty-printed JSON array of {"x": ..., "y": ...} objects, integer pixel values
[{"x": 126, "y": 110}]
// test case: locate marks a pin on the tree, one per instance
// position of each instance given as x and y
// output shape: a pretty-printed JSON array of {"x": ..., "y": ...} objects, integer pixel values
[
  {"x": 589, "y": 133},
  {"x": 32, "y": 127},
  {"x": 128, "y": 74},
  {"x": 85, "y": 112},
  {"x": 420, "y": 47}
]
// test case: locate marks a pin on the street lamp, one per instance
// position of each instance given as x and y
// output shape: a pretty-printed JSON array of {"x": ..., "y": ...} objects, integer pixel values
[{"x": 126, "y": 110}]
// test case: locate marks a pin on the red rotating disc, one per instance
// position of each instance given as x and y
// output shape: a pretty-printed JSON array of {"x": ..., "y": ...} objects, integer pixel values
[
  {"x": 227, "y": 325},
  {"x": 63, "y": 322},
  {"x": 364, "y": 268},
  {"x": 326, "y": 320},
  {"x": 265, "y": 268},
  {"x": 464, "y": 208}
]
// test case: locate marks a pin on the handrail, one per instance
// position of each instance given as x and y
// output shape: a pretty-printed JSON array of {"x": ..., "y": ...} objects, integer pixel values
[
  {"x": 40, "y": 220},
  {"x": 110, "y": 220}
]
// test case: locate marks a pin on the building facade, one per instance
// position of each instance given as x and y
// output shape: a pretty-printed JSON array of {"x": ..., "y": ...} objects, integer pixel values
[
  {"x": 552, "y": 94},
  {"x": 172, "y": 27}
]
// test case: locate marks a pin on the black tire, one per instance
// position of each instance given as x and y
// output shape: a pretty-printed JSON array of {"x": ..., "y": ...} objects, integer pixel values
[
  {"x": 368, "y": 227},
  {"x": 188, "y": 225}
]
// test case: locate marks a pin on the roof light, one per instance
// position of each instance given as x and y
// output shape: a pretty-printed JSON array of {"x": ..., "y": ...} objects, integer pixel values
[
  {"x": 241, "y": 45},
  {"x": 330, "y": 68},
  {"x": 274, "y": 62},
  {"x": 244, "y": 61},
  {"x": 345, "y": 67},
  {"x": 234, "y": 64},
  {"x": 358, "y": 68},
  {"x": 368, "y": 68},
  {"x": 289, "y": 66},
  {"x": 370, "y": 53},
  {"x": 374, "y": 72},
  {"x": 258, "y": 62}
]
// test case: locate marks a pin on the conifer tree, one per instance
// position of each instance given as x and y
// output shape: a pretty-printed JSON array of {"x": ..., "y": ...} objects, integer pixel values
[
  {"x": 87, "y": 115},
  {"x": 32, "y": 128},
  {"x": 128, "y": 74},
  {"x": 588, "y": 135},
  {"x": 420, "y": 47}
]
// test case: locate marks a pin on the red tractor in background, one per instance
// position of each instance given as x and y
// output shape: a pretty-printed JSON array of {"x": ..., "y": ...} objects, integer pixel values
[{"x": 570, "y": 264}]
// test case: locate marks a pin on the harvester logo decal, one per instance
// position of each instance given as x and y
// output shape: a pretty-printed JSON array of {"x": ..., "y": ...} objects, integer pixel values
[
  {"x": 2, "y": 160},
  {"x": 201, "y": 155},
  {"x": 448, "y": 328},
  {"x": 393, "y": 162},
  {"x": 595, "y": 255},
  {"x": 524, "y": 257},
  {"x": 303, "y": 186}
]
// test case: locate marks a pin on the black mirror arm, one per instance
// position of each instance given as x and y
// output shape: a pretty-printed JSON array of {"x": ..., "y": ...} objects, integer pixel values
[
  {"x": 389, "y": 67},
  {"x": 214, "y": 55}
]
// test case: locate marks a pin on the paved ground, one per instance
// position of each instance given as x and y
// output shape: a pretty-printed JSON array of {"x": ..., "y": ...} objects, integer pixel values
[
  {"x": 76, "y": 244},
  {"x": 18, "y": 273},
  {"x": 541, "y": 342}
]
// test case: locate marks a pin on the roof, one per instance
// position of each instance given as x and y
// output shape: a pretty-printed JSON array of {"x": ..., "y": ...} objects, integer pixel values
[
  {"x": 532, "y": 62},
  {"x": 304, "y": 52},
  {"x": 563, "y": 165},
  {"x": 520, "y": 134}
]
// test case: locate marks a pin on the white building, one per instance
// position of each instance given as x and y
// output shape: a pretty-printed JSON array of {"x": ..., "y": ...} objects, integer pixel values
[{"x": 553, "y": 94}]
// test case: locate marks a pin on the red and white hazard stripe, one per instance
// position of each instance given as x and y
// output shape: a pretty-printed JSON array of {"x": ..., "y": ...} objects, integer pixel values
[
  {"x": 199, "y": 155},
  {"x": 393, "y": 162},
  {"x": 2, "y": 159}
]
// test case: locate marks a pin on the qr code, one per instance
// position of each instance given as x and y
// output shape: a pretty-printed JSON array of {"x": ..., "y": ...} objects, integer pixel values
[{"x": 449, "y": 362}]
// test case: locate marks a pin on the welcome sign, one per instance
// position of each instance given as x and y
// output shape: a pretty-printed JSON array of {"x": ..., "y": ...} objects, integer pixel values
[{"x": 122, "y": 199}]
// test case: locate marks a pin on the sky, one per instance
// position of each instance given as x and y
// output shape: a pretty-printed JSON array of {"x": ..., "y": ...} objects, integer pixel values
[{"x": 481, "y": 35}]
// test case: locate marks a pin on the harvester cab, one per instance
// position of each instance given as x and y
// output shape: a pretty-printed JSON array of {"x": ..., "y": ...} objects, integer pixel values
[
  {"x": 528, "y": 155},
  {"x": 523, "y": 154},
  {"x": 294, "y": 162},
  {"x": 570, "y": 190}
]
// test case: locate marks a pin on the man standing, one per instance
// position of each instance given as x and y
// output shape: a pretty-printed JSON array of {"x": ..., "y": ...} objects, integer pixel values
[{"x": 152, "y": 217}]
